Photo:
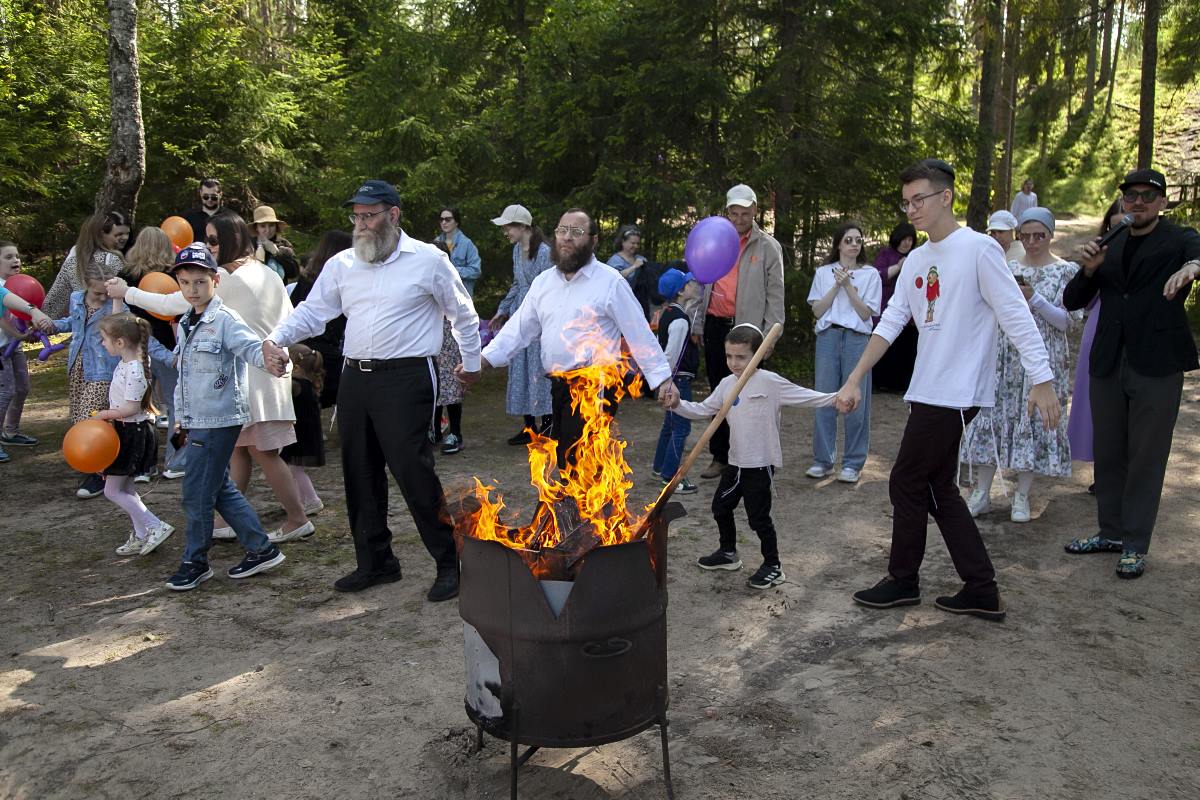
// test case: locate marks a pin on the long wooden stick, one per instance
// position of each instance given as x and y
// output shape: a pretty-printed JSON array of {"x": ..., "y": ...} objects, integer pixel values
[{"x": 766, "y": 347}]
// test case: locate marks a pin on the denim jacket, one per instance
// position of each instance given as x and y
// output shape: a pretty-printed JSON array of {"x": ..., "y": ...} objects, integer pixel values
[
  {"x": 211, "y": 391},
  {"x": 465, "y": 259},
  {"x": 98, "y": 365}
]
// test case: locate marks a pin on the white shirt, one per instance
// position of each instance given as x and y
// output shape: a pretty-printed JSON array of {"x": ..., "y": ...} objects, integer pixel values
[
  {"x": 1022, "y": 202},
  {"x": 973, "y": 290},
  {"x": 841, "y": 312},
  {"x": 580, "y": 322},
  {"x": 129, "y": 385},
  {"x": 393, "y": 309},
  {"x": 754, "y": 418}
]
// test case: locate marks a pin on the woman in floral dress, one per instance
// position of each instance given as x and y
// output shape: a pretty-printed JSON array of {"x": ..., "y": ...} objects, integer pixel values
[
  {"x": 1005, "y": 435},
  {"x": 528, "y": 387}
]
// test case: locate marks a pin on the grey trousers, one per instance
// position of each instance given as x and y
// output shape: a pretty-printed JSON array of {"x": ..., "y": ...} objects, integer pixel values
[{"x": 1133, "y": 418}]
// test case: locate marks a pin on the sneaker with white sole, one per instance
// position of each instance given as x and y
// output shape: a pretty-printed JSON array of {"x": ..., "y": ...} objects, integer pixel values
[
  {"x": 848, "y": 475},
  {"x": 91, "y": 486},
  {"x": 132, "y": 547},
  {"x": 142, "y": 478},
  {"x": 817, "y": 471},
  {"x": 173, "y": 474},
  {"x": 225, "y": 534},
  {"x": 158, "y": 534},
  {"x": 766, "y": 576},
  {"x": 255, "y": 563},
  {"x": 720, "y": 560},
  {"x": 979, "y": 503},
  {"x": 18, "y": 439},
  {"x": 1020, "y": 507},
  {"x": 685, "y": 486},
  {"x": 189, "y": 575},
  {"x": 315, "y": 508},
  {"x": 307, "y": 529}
]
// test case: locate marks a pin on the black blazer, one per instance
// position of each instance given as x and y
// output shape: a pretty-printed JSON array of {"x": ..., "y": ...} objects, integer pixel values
[{"x": 1133, "y": 312}]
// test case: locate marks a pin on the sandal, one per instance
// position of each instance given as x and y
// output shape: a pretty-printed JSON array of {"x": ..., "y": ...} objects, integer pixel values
[
  {"x": 1131, "y": 565},
  {"x": 1093, "y": 544}
]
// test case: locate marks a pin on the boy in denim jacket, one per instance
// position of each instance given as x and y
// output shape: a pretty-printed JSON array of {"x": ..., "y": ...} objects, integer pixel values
[{"x": 211, "y": 404}]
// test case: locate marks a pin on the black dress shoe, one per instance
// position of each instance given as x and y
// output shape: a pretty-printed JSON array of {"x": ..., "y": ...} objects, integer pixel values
[
  {"x": 358, "y": 580},
  {"x": 444, "y": 588},
  {"x": 520, "y": 438}
]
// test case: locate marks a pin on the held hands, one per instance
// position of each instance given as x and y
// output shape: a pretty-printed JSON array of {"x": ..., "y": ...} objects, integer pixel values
[
  {"x": 668, "y": 395},
  {"x": 116, "y": 288},
  {"x": 1179, "y": 280},
  {"x": 1026, "y": 290},
  {"x": 43, "y": 323},
  {"x": 275, "y": 358},
  {"x": 1091, "y": 256},
  {"x": 848, "y": 397},
  {"x": 467, "y": 378},
  {"x": 497, "y": 322},
  {"x": 1042, "y": 398}
]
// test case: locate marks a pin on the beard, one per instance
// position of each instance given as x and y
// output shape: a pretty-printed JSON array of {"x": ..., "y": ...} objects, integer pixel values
[
  {"x": 373, "y": 246},
  {"x": 571, "y": 262}
]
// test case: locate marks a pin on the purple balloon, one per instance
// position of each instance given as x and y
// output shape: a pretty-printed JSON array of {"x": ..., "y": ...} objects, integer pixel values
[{"x": 712, "y": 249}]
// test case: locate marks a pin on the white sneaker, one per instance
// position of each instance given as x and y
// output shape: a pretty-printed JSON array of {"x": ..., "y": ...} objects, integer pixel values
[
  {"x": 132, "y": 546},
  {"x": 224, "y": 533},
  {"x": 817, "y": 471},
  {"x": 315, "y": 508},
  {"x": 157, "y": 536},
  {"x": 307, "y": 529},
  {"x": 1020, "y": 507},
  {"x": 143, "y": 478},
  {"x": 172, "y": 474},
  {"x": 979, "y": 502},
  {"x": 848, "y": 475}
]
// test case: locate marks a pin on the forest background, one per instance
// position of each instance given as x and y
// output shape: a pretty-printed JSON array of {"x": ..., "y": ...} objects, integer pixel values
[{"x": 638, "y": 111}]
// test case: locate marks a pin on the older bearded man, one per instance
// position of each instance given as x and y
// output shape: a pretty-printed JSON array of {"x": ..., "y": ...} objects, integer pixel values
[{"x": 394, "y": 292}]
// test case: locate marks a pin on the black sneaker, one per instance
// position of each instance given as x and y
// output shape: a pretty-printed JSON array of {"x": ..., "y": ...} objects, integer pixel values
[
  {"x": 189, "y": 575},
  {"x": 451, "y": 444},
  {"x": 92, "y": 486},
  {"x": 520, "y": 439},
  {"x": 720, "y": 560},
  {"x": 888, "y": 594},
  {"x": 364, "y": 579},
  {"x": 768, "y": 575},
  {"x": 255, "y": 563},
  {"x": 444, "y": 587},
  {"x": 985, "y": 606}
]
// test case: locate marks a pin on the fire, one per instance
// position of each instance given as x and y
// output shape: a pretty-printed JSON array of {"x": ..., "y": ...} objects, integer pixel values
[{"x": 583, "y": 505}]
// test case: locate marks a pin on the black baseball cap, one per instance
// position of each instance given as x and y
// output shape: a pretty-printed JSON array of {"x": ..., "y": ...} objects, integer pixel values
[
  {"x": 372, "y": 192},
  {"x": 195, "y": 255},
  {"x": 1148, "y": 177}
]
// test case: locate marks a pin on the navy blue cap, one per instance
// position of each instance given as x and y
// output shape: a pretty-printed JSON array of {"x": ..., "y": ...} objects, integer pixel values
[
  {"x": 372, "y": 192},
  {"x": 195, "y": 255},
  {"x": 672, "y": 282}
]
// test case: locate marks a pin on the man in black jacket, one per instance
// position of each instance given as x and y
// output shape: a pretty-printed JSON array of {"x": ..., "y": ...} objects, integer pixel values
[
  {"x": 1143, "y": 346},
  {"x": 210, "y": 205}
]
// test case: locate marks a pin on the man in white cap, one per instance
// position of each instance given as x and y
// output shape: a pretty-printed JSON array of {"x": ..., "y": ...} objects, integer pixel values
[
  {"x": 750, "y": 292},
  {"x": 1002, "y": 226}
]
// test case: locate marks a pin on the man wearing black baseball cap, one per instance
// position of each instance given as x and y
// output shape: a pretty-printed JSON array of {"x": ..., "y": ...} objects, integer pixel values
[
  {"x": 1143, "y": 345},
  {"x": 394, "y": 292}
]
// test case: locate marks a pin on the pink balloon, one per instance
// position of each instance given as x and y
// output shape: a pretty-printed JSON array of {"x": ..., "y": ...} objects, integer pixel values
[{"x": 712, "y": 249}]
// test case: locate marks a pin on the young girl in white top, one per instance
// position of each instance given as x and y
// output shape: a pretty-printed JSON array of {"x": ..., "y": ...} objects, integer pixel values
[
  {"x": 845, "y": 295},
  {"x": 131, "y": 411}
]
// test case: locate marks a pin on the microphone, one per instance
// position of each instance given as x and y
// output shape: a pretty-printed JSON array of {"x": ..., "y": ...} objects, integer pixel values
[{"x": 1113, "y": 232}]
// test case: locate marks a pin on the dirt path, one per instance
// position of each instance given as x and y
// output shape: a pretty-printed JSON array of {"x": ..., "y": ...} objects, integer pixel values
[{"x": 279, "y": 686}]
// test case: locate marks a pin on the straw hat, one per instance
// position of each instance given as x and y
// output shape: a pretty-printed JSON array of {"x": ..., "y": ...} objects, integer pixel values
[{"x": 266, "y": 214}]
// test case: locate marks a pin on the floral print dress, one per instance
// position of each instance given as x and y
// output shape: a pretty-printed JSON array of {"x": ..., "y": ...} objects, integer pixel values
[
  {"x": 1007, "y": 431},
  {"x": 528, "y": 386}
]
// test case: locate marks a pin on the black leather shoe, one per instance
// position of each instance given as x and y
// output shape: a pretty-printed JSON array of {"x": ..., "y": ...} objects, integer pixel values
[
  {"x": 444, "y": 588},
  {"x": 358, "y": 580},
  {"x": 521, "y": 438}
]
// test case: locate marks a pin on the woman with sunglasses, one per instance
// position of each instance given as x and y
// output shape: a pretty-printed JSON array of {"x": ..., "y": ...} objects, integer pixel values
[
  {"x": 1006, "y": 436},
  {"x": 845, "y": 295},
  {"x": 465, "y": 258}
]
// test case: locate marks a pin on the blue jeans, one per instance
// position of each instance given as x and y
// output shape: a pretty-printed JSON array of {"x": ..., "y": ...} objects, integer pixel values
[
  {"x": 674, "y": 434},
  {"x": 838, "y": 351},
  {"x": 207, "y": 486},
  {"x": 166, "y": 378}
]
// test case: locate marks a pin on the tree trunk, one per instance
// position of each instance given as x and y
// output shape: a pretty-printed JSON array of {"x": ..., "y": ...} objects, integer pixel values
[
  {"x": 126, "y": 167},
  {"x": 1112, "y": 76},
  {"x": 985, "y": 140},
  {"x": 1089, "y": 86},
  {"x": 1150, "y": 16},
  {"x": 1006, "y": 108},
  {"x": 788, "y": 66},
  {"x": 910, "y": 84},
  {"x": 1106, "y": 45}
]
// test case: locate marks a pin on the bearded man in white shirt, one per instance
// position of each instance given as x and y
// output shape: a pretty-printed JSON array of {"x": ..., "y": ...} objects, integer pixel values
[
  {"x": 956, "y": 288},
  {"x": 579, "y": 312}
]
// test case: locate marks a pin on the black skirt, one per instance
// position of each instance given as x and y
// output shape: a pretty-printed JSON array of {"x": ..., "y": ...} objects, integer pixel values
[
  {"x": 309, "y": 448},
  {"x": 139, "y": 448}
]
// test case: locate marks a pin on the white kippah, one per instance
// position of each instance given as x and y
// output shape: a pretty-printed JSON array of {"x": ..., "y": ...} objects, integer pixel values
[{"x": 748, "y": 325}]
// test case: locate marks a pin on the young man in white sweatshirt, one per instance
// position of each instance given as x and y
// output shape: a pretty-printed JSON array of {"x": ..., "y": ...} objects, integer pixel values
[{"x": 956, "y": 288}]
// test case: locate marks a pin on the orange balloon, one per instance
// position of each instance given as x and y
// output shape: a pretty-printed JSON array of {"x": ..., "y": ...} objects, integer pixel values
[
  {"x": 91, "y": 445},
  {"x": 178, "y": 230},
  {"x": 158, "y": 283}
]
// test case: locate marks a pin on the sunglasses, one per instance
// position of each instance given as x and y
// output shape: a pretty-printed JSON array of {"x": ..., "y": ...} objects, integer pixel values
[
  {"x": 210, "y": 197},
  {"x": 213, "y": 241},
  {"x": 1145, "y": 195},
  {"x": 446, "y": 219}
]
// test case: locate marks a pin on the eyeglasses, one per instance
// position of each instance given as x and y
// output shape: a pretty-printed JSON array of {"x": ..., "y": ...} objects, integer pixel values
[
  {"x": 852, "y": 240},
  {"x": 918, "y": 201},
  {"x": 445, "y": 219},
  {"x": 1032, "y": 236},
  {"x": 563, "y": 231},
  {"x": 366, "y": 216},
  {"x": 1145, "y": 195},
  {"x": 210, "y": 197}
]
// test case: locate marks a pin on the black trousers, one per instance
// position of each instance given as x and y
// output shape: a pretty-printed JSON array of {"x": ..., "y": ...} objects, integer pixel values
[
  {"x": 566, "y": 426},
  {"x": 715, "y": 330},
  {"x": 384, "y": 421},
  {"x": 751, "y": 486},
  {"x": 1133, "y": 419},
  {"x": 923, "y": 482}
]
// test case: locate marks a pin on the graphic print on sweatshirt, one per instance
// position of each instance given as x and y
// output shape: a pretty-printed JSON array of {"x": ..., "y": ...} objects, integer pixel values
[{"x": 933, "y": 290}]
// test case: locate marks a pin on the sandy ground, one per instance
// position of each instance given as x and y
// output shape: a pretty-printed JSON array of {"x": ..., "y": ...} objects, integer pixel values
[{"x": 280, "y": 687}]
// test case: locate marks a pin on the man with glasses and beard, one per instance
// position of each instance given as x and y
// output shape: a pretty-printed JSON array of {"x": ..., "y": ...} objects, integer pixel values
[
  {"x": 579, "y": 313},
  {"x": 1142, "y": 347},
  {"x": 394, "y": 292},
  {"x": 210, "y": 206}
]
